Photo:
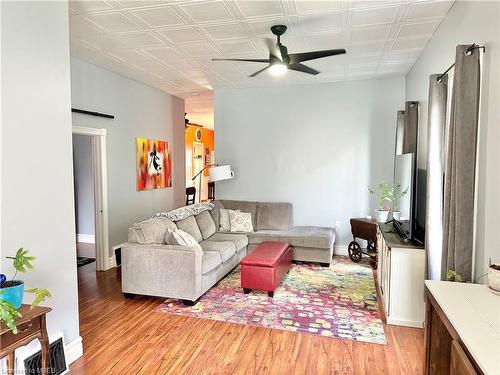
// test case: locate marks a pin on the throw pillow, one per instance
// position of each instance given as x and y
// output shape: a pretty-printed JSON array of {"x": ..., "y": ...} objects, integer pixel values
[
  {"x": 189, "y": 225},
  {"x": 181, "y": 238},
  {"x": 206, "y": 224},
  {"x": 225, "y": 224},
  {"x": 240, "y": 221}
]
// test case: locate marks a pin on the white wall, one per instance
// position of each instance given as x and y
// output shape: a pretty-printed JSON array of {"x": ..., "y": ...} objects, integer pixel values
[
  {"x": 36, "y": 169},
  {"x": 469, "y": 22},
  {"x": 84, "y": 185},
  {"x": 140, "y": 111},
  {"x": 318, "y": 146}
]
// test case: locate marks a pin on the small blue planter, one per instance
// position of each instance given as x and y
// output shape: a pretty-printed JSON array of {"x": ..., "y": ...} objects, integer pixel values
[{"x": 13, "y": 294}]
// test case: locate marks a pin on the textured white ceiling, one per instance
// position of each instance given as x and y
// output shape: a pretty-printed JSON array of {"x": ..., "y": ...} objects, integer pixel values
[{"x": 169, "y": 44}]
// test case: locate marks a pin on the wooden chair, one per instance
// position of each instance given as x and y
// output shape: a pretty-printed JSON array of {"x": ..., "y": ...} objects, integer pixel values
[
  {"x": 211, "y": 191},
  {"x": 190, "y": 195}
]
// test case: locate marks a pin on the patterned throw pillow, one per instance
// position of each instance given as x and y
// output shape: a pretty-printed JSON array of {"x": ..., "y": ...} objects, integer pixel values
[
  {"x": 240, "y": 221},
  {"x": 224, "y": 223},
  {"x": 179, "y": 237}
]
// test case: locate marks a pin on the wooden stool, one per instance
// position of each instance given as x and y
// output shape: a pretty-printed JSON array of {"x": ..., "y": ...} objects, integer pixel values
[{"x": 30, "y": 326}]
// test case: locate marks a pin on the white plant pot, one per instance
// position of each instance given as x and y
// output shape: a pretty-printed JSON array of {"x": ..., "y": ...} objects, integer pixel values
[
  {"x": 396, "y": 215},
  {"x": 494, "y": 280},
  {"x": 381, "y": 215}
]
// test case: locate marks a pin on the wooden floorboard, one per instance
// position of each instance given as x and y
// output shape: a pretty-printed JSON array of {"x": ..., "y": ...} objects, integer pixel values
[{"x": 125, "y": 336}]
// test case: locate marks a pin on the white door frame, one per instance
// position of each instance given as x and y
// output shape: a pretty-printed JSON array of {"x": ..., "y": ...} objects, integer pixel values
[{"x": 99, "y": 173}]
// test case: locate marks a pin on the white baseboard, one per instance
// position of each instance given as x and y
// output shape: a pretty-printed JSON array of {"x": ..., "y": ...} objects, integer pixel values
[
  {"x": 405, "y": 323},
  {"x": 74, "y": 350},
  {"x": 85, "y": 238},
  {"x": 340, "y": 250}
]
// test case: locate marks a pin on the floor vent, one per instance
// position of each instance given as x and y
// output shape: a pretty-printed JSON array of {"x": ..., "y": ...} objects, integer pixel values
[{"x": 57, "y": 363}]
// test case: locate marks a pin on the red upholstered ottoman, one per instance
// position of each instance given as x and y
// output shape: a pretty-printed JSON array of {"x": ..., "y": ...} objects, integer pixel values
[{"x": 265, "y": 267}]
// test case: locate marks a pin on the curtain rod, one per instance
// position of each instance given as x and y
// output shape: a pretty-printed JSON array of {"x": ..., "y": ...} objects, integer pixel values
[
  {"x": 98, "y": 114},
  {"x": 467, "y": 52}
]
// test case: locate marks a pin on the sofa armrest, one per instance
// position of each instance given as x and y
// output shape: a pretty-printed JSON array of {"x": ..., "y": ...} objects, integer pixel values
[{"x": 162, "y": 270}]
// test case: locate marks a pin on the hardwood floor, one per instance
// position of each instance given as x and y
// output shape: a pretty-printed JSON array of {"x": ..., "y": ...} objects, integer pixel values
[{"x": 122, "y": 336}]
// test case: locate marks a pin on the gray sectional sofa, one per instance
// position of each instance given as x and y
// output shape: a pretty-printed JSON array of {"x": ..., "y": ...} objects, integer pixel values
[{"x": 151, "y": 267}]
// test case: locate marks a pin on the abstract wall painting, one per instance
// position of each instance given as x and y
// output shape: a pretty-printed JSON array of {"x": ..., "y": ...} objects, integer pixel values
[{"x": 154, "y": 164}]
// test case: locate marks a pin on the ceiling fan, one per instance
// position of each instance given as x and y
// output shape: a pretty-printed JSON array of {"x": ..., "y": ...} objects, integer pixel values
[{"x": 280, "y": 60}]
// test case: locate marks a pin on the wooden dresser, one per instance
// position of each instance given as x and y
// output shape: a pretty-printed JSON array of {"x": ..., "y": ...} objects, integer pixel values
[
  {"x": 400, "y": 276},
  {"x": 462, "y": 335}
]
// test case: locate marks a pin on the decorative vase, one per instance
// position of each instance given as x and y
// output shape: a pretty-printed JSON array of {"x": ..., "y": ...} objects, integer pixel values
[
  {"x": 494, "y": 278},
  {"x": 396, "y": 215},
  {"x": 381, "y": 215},
  {"x": 13, "y": 294}
]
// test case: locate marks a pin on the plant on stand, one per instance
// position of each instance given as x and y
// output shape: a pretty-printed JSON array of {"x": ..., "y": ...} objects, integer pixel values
[
  {"x": 12, "y": 291},
  {"x": 397, "y": 194},
  {"x": 383, "y": 194}
]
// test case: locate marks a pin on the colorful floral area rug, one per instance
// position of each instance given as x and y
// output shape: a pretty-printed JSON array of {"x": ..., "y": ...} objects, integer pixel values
[{"x": 339, "y": 301}]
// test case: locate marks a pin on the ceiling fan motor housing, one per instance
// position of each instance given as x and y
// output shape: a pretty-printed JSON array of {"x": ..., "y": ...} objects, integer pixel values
[{"x": 278, "y": 29}]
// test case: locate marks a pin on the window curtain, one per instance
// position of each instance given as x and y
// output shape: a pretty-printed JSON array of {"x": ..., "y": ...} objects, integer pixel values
[
  {"x": 436, "y": 125},
  {"x": 459, "y": 181}
]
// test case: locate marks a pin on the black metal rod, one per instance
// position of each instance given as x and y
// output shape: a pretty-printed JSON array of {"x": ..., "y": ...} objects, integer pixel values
[
  {"x": 98, "y": 114},
  {"x": 472, "y": 47}
]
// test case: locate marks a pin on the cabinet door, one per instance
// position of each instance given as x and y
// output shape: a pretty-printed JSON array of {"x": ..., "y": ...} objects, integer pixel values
[
  {"x": 459, "y": 362},
  {"x": 386, "y": 279},
  {"x": 380, "y": 268}
]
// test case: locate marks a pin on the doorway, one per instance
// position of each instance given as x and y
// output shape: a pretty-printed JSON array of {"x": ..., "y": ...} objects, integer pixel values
[{"x": 91, "y": 197}]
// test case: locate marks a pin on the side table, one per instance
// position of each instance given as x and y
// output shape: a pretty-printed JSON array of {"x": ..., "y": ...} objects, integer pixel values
[{"x": 30, "y": 326}]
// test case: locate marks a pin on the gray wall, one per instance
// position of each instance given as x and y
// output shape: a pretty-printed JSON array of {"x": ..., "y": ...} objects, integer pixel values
[
  {"x": 140, "y": 111},
  {"x": 318, "y": 146},
  {"x": 36, "y": 169},
  {"x": 84, "y": 184},
  {"x": 469, "y": 22}
]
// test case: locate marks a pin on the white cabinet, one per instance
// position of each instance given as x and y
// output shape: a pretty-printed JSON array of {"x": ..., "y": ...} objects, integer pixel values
[{"x": 400, "y": 277}]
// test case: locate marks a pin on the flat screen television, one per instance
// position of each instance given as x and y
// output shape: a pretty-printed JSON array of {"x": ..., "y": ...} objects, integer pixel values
[{"x": 411, "y": 224}]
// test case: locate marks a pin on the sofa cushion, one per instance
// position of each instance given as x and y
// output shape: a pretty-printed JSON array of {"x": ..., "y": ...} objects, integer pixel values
[
  {"x": 243, "y": 206},
  {"x": 210, "y": 261},
  {"x": 150, "y": 231},
  {"x": 226, "y": 249},
  {"x": 240, "y": 221},
  {"x": 240, "y": 240},
  {"x": 206, "y": 224},
  {"x": 313, "y": 237},
  {"x": 189, "y": 225},
  {"x": 277, "y": 215},
  {"x": 215, "y": 213}
]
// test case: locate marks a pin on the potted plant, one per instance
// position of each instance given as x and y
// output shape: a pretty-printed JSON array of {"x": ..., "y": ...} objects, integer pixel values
[
  {"x": 494, "y": 278},
  {"x": 397, "y": 194},
  {"x": 12, "y": 291},
  {"x": 383, "y": 194}
]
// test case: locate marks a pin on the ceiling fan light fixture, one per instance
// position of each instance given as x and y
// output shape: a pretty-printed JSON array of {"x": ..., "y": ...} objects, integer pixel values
[{"x": 278, "y": 69}]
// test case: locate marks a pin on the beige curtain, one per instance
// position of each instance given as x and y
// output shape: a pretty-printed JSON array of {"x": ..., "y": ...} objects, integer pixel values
[{"x": 458, "y": 219}]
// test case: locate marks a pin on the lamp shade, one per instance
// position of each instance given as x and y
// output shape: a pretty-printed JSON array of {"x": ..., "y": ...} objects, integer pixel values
[{"x": 222, "y": 172}]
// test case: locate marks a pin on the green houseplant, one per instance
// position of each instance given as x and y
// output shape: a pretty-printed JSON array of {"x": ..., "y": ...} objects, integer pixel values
[
  {"x": 12, "y": 291},
  {"x": 397, "y": 194},
  {"x": 383, "y": 195}
]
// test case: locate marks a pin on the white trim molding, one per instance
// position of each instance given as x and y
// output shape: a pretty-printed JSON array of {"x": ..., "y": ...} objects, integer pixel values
[
  {"x": 89, "y": 131},
  {"x": 74, "y": 350},
  {"x": 340, "y": 250},
  {"x": 85, "y": 238}
]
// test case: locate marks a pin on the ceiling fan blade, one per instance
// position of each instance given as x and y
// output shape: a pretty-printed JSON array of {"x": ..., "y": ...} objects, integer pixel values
[
  {"x": 306, "y": 56},
  {"x": 267, "y": 61},
  {"x": 302, "y": 68},
  {"x": 274, "y": 50},
  {"x": 259, "y": 71}
]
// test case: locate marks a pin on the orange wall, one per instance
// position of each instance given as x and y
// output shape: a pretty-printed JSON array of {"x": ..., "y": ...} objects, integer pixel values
[{"x": 207, "y": 138}]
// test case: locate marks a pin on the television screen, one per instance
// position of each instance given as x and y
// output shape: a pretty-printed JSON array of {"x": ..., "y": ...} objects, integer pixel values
[
  {"x": 418, "y": 223},
  {"x": 403, "y": 175}
]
